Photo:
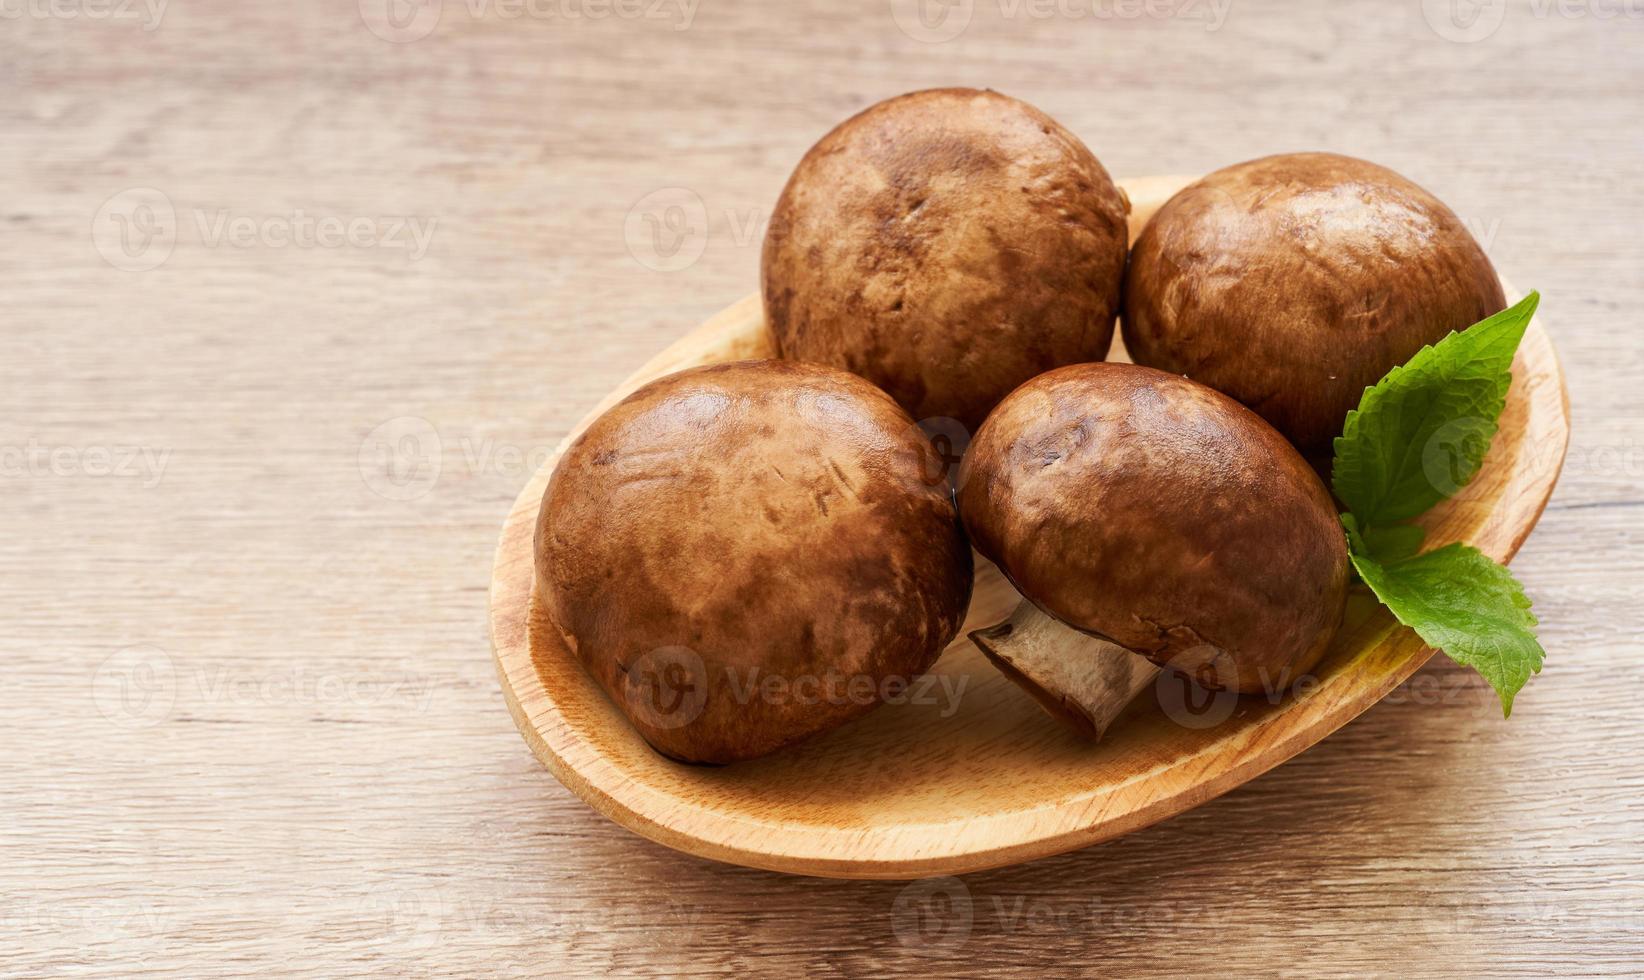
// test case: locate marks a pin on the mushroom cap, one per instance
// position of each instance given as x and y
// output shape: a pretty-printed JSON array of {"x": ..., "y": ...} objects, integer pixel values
[
  {"x": 748, "y": 554},
  {"x": 947, "y": 245},
  {"x": 1293, "y": 282},
  {"x": 1152, "y": 511}
]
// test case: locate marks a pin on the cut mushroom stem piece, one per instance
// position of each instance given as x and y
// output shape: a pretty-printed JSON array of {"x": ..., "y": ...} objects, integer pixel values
[{"x": 1079, "y": 679}]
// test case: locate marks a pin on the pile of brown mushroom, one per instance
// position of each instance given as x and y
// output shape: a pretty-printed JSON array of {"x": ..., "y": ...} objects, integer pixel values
[{"x": 749, "y": 554}]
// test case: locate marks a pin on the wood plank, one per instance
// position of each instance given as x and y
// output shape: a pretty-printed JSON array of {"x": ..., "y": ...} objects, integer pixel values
[{"x": 271, "y": 823}]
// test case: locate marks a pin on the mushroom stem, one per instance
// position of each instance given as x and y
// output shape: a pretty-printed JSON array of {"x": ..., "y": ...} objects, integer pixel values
[{"x": 1079, "y": 679}]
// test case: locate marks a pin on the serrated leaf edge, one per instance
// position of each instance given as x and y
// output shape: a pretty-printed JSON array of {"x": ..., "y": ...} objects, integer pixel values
[
  {"x": 1517, "y": 597},
  {"x": 1521, "y": 313}
]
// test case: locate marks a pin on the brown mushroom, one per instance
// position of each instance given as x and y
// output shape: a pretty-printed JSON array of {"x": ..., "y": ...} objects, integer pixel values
[
  {"x": 1294, "y": 282},
  {"x": 947, "y": 245},
  {"x": 749, "y": 554},
  {"x": 1140, "y": 512}
]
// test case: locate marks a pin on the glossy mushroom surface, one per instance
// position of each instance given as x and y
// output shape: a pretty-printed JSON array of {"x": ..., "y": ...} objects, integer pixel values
[
  {"x": 947, "y": 245},
  {"x": 1293, "y": 282},
  {"x": 1153, "y": 512},
  {"x": 748, "y": 554}
]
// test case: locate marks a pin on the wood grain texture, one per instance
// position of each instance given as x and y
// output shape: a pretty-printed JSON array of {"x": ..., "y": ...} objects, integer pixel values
[
  {"x": 968, "y": 774},
  {"x": 326, "y": 781}
]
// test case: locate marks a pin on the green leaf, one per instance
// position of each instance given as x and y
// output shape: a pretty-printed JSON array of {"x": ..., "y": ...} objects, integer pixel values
[
  {"x": 1420, "y": 434},
  {"x": 1460, "y": 601},
  {"x": 1355, "y": 542},
  {"x": 1393, "y": 542}
]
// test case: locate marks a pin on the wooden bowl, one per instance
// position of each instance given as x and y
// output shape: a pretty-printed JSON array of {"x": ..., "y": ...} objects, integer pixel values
[{"x": 978, "y": 776}]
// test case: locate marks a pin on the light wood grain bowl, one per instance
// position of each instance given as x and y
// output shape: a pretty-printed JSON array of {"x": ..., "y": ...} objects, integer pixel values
[{"x": 985, "y": 779}]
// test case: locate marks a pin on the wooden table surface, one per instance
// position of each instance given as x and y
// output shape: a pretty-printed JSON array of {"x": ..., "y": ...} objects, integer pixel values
[{"x": 295, "y": 296}]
